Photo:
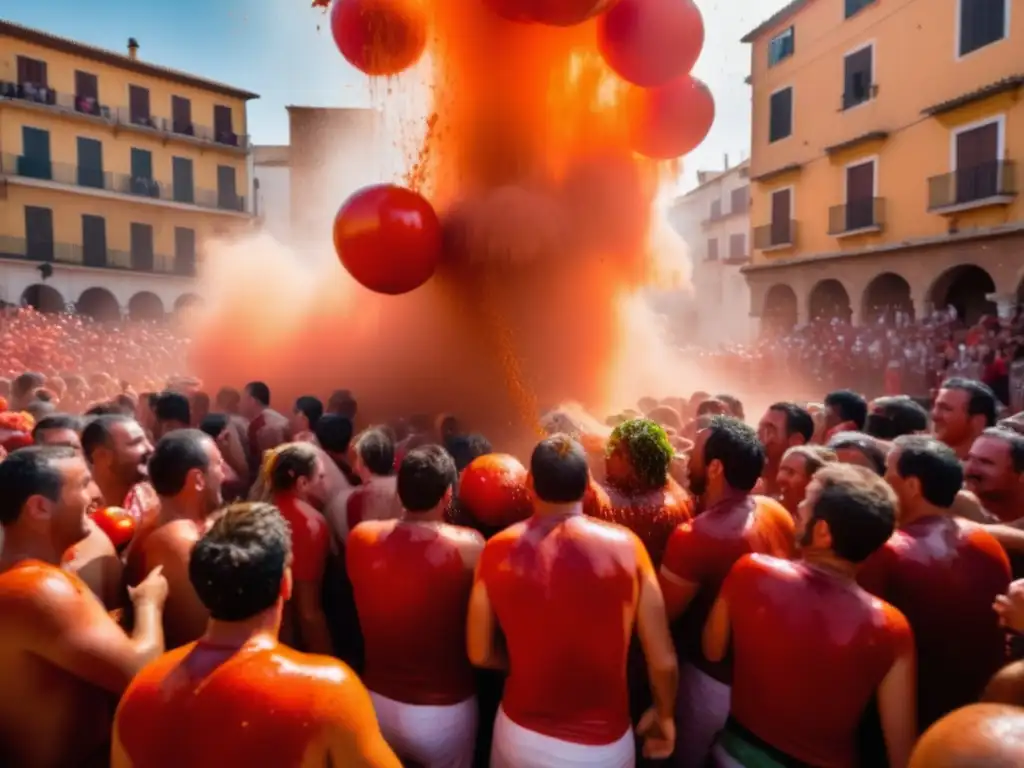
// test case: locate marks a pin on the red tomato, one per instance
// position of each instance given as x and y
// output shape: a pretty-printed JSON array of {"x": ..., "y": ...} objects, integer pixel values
[
  {"x": 650, "y": 42},
  {"x": 556, "y": 13},
  {"x": 672, "y": 120},
  {"x": 493, "y": 490},
  {"x": 380, "y": 37},
  {"x": 117, "y": 524},
  {"x": 388, "y": 238}
]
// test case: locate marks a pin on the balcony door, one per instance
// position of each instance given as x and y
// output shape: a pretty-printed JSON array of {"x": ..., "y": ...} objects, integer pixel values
[
  {"x": 94, "y": 241},
  {"x": 977, "y": 163},
  {"x": 227, "y": 194},
  {"x": 860, "y": 196},
  {"x": 39, "y": 233},
  {"x": 90, "y": 163},
  {"x": 35, "y": 160},
  {"x": 782, "y": 209},
  {"x": 138, "y": 104},
  {"x": 184, "y": 251},
  {"x": 142, "y": 247}
]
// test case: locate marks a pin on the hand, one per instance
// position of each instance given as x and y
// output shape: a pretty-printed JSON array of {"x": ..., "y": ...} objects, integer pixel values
[
  {"x": 153, "y": 589},
  {"x": 1010, "y": 607},
  {"x": 658, "y": 733}
]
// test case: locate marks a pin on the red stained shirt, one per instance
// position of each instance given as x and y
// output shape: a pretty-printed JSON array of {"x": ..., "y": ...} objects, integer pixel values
[
  {"x": 564, "y": 591},
  {"x": 311, "y": 539},
  {"x": 809, "y": 651}
]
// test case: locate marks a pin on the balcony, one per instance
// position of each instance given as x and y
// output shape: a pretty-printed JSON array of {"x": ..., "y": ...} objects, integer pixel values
[
  {"x": 857, "y": 217},
  {"x": 74, "y": 255},
  {"x": 22, "y": 166},
  {"x": 965, "y": 189},
  {"x": 91, "y": 110},
  {"x": 775, "y": 236},
  {"x": 857, "y": 96}
]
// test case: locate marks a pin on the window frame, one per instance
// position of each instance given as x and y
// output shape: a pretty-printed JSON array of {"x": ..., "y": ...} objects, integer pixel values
[
  {"x": 958, "y": 54},
  {"x": 791, "y": 32},
  {"x": 792, "y": 113}
]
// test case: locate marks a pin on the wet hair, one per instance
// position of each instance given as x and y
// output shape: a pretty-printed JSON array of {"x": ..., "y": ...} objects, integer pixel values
[
  {"x": 1014, "y": 441},
  {"x": 237, "y": 567},
  {"x": 934, "y": 464},
  {"x": 895, "y": 416},
  {"x": 174, "y": 456},
  {"x": 341, "y": 403},
  {"x": 56, "y": 421},
  {"x": 25, "y": 383},
  {"x": 865, "y": 444},
  {"x": 559, "y": 470},
  {"x": 424, "y": 476},
  {"x": 376, "y": 449},
  {"x": 465, "y": 448},
  {"x": 259, "y": 392},
  {"x": 173, "y": 406},
  {"x": 106, "y": 408},
  {"x": 290, "y": 462},
  {"x": 333, "y": 432},
  {"x": 735, "y": 405},
  {"x": 849, "y": 406},
  {"x": 815, "y": 456},
  {"x": 30, "y": 472},
  {"x": 798, "y": 420},
  {"x": 311, "y": 408},
  {"x": 735, "y": 444},
  {"x": 214, "y": 424},
  {"x": 859, "y": 508},
  {"x": 648, "y": 449},
  {"x": 981, "y": 400},
  {"x": 98, "y": 432}
]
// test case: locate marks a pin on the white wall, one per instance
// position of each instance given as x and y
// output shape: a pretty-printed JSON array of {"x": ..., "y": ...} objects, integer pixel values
[{"x": 273, "y": 200}]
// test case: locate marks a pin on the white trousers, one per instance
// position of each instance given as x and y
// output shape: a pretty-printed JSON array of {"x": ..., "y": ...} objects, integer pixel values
[
  {"x": 432, "y": 736},
  {"x": 516, "y": 747},
  {"x": 702, "y": 707}
]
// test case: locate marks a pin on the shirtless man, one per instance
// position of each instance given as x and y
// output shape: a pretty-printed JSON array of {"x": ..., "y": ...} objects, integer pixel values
[
  {"x": 237, "y": 697},
  {"x": 943, "y": 574},
  {"x": 782, "y": 426},
  {"x": 412, "y": 579},
  {"x": 118, "y": 452},
  {"x": 267, "y": 428},
  {"x": 59, "y": 429},
  {"x": 981, "y": 735},
  {"x": 187, "y": 472},
  {"x": 994, "y": 472},
  {"x": 798, "y": 466},
  {"x": 963, "y": 409},
  {"x": 725, "y": 465},
  {"x": 376, "y": 496},
  {"x": 555, "y": 602},
  {"x": 811, "y": 648},
  {"x": 63, "y": 660}
]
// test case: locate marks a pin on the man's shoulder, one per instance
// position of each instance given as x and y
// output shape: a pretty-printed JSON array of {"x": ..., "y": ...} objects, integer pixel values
[{"x": 33, "y": 589}]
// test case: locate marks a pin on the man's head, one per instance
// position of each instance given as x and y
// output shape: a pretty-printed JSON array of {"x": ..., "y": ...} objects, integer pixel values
[
  {"x": 240, "y": 567},
  {"x": 173, "y": 411},
  {"x": 859, "y": 449},
  {"x": 23, "y": 387},
  {"x": 117, "y": 449},
  {"x": 426, "y": 478},
  {"x": 228, "y": 400},
  {"x": 465, "y": 448},
  {"x": 60, "y": 429},
  {"x": 306, "y": 414},
  {"x": 559, "y": 473},
  {"x": 341, "y": 403},
  {"x": 924, "y": 472},
  {"x": 994, "y": 470},
  {"x": 963, "y": 409},
  {"x": 375, "y": 454},
  {"x": 783, "y": 426},
  {"x": 334, "y": 434},
  {"x": 46, "y": 492},
  {"x": 734, "y": 404},
  {"x": 848, "y": 512},
  {"x": 726, "y": 455},
  {"x": 187, "y": 466},
  {"x": 797, "y": 468},
  {"x": 297, "y": 469},
  {"x": 989, "y": 735},
  {"x": 891, "y": 417},
  {"x": 845, "y": 411},
  {"x": 255, "y": 399},
  {"x": 638, "y": 455}
]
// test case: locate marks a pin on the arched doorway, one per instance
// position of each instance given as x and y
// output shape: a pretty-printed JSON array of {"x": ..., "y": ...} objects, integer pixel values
[
  {"x": 828, "y": 300},
  {"x": 188, "y": 301},
  {"x": 99, "y": 304},
  {"x": 146, "y": 306},
  {"x": 886, "y": 295},
  {"x": 780, "y": 313},
  {"x": 964, "y": 287},
  {"x": 45, "y": 298}
]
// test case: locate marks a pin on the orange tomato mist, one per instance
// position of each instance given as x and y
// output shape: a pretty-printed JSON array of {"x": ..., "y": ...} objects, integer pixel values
[{"x": 546, "y": 212}]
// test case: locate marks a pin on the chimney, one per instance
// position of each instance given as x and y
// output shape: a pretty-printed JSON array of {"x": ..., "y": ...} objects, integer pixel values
[
  {"x": 133, "y": 48},
  {"x": 727, "y": 161}
]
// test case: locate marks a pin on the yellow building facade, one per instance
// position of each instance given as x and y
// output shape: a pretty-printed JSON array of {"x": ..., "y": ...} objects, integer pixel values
[
  {"x": 884, "y": 157},
  {"x": 113, "y": 172}
]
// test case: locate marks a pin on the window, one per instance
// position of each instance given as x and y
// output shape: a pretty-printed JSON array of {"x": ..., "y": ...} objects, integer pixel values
[
  {"x": 94, "y": 241},
  {"x": 38, "y": 233},
  {"x": 184, "y": 251},
  {"x": 32, "y": 72},
  {"x": 138, "y": 105},
  {"x": 227, "y": 196},
  {"x": 716, "y": 209},
  {"x": 87, "y": 93},
  {"x": 712, "y": 249},
  {"x": 982, "y": 22},
  {"x": 223, "y": 128},
  {"x": 978, "y": 166},
  {"x": 738, "y": 246},
  {"x": 857, "y": 77},
  {"x": 142, "y": 247},
  {"x": 853, "y": 7},
  {"x": 782, "y": 211},
  {"x": 90, "y": 163},
  {"x": 780, "y": 123},
  {"x": 181, "y": 115},
  {"x": 782, "y": 46},
  {"x": 181, "y": 168},
  {"x": 34, "y": 161},
  {"x": 860, "y": 196},
  {"x": 739, "y": 199},
  {"x": 142, "y": 182}
]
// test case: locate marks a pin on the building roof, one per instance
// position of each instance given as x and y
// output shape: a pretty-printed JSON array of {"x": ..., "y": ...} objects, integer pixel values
[
  {"x": 121, "y": 61},
  {"x": 1005, "y": 85},
  {"x": 706, "y": 178},
  {"x": 773, "y": 20},
  {"x": 271, "y": 154}
]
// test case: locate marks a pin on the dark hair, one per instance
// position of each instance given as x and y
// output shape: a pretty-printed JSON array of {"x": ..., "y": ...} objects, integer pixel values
[
  {"x": 238, "y": 565},
  {"x": 734, "y": 403},
  {"x": 173, "y": 406},
  {"x": 934, "y": 464},
  {"x": 292, "y": 461},
  {"x": 465, "y": 448},
  {"x": 177, "y": 454},
  {"x": 798, "y": 420},
  {"x": 26, "y": 382},
  {"x": 56, "y": 421},
  {"x": 376, "y": 449},
  {"x": 895, "y": 416},
  {"x": 341, "y": 403},
  {"x": 981, "y": 400},
  {"x": 333, "y": 432},
  {"x": 559, "y": 470},
  {"x": 858, "y": 507},
  {"x": 30, "y": 472},
  {"x": 735, "y": 445},
  {"x": 868, "y": 447},
  {"x": 213, "y": 424},
  {"x": 311, "y": 408},
  {"x": 98, "y": 432},
  {"x": 849, "y": 406},
  {"x": 815, "y": 456},
  {"x": 259, "y": 392},
  {"x": 1014, "y": 441},
  {"x": 107, "y": 408},
  {"x": 424, "y": 476}
]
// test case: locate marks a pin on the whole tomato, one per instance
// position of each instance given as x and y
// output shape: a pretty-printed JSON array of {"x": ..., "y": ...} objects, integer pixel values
[{"x": 117, "y": 524}]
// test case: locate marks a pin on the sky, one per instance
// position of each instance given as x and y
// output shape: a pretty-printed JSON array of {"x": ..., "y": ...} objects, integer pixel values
[{"x": 282, "y": 50}]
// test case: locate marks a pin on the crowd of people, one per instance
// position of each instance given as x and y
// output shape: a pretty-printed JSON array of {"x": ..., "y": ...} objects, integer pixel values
[{"x": 218, "y": 579}]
